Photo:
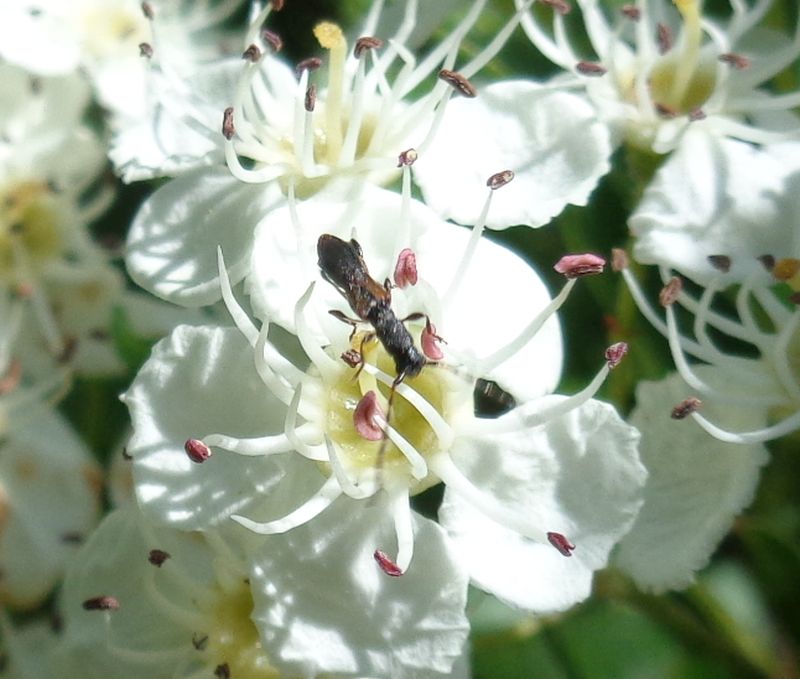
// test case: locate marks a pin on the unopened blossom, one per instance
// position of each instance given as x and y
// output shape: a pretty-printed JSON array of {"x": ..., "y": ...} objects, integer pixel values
[
  {"x": 111, "y": 40},
  {"x": 556, "y": 476},
  {"x": 695, "y": 488},
  {"x": 657, "y": 69},
  {"x": 143, "y": 598},
  {"x": 338, "y": 120}
]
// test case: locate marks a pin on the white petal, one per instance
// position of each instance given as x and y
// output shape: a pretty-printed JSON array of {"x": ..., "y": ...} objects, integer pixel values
[
  {"x": 552, "y": 141},
  {"x": 696, "y": 486},
  {"x": 38, "y": 41},
  {"x": 200, "y": 381},
  {"x": 716, "y": 196},
  {"x": 172, "y": 244},
  {"x": 49, "y": 487},
  {"x": 579, "y": 475},
  {"x": 338, "y": 613}
]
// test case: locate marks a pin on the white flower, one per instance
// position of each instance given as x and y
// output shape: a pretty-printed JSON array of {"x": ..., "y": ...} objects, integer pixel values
[
  {"x": 732, "y": 232},
  {"x": 550, "y": 468},
  {"x": 695, "y": 486},
  {"x": 28, "y": 650},
  {"x": 662, "y": 67},
  {"x": 51, "y": 37},
  {"x": 333, "y": 124},
  {"x": 49, "y": 496},
  {"x": 147, "y": 599}
]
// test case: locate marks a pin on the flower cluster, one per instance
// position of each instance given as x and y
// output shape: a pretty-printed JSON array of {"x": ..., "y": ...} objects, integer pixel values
[{"x": 352, "y": 410}]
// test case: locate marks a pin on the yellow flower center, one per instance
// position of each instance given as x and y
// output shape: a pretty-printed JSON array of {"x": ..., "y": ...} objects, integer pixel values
[
  {"x": 28, "y": 227},
  {"x": 443, "y": 390}
]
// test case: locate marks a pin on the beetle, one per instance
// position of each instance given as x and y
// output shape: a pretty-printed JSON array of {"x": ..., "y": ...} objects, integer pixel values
[{"x": 342, "y": 264}]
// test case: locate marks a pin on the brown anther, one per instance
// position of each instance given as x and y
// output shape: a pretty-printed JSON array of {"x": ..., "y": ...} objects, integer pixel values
[
  {"x": 720, "y": 262},
  {"x": 664, "y": 38},
  {"x": 72, "y": 538},
  {"x": 499, "y": 179},
  {"x": 619, "y": 259},
  {"x": 311, "y": 64},
  {"x": 252, "y": 54},
  {"x": 126, "y": 455},
  {"x": 575, "y": 266},
  {"x": 685, "y": 408},
  {"x": 101, "y": 603},
  {"x": 737, "y": 61},
  {"x": 669, "y": 293},
  {"x": 767, "y": 261},
  {"x": 228, "y": 129},
  {"x": 68, "y": 350},
  {"x": 147, "y": 10},
  {"x": 12, "y": 378},
  {"x": 590, "y": 68},
  {"x": 631, "y": 12},
  {"x": 199, "y": 641},
  {"x": 222, "y": 671},
  {"x": 407, "y": 158},
  {"x": 564, "y": 546},
  {"x": 696, "y": 114},
  {"x": 145, "y": 50},
  {"x": 666, "y": 111},
  {"x": 366, "y": 43},
  {"x": 430, "y": 341},
  {"x": 157, "y": 557},
  {"x": 405, "y": 271},
  {"x": 277, "y": 5},
  {"x": 458, "y": 82},
  {"x": 272, "y": 39},
  {"x": 35, "y": 83},
  {"x": 197, "y": 451},
  {"x": 785, "y": 269},
  {"x": 560, "y": 6},
  {"x": 615, "y": 353},
  {"x": 367, "y": 417},
  {"x": 310, "y": 102},
  {"x": 352, "y": 358},
  {"x": 386, "y": 564}
]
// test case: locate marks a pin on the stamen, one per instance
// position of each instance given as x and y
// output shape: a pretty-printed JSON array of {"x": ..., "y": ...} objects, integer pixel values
[
  {"x": 368, "y": 417},
  {"x": 272, "y": 39},
  {"x": 590, "y": 68},
  {"x": 669, "y": 293},
  {"x": 619, "y": 259},
  {"x": 147, "y": 10},
  {"x": 197, "y": 451},
  {"x": 349, "y": 488},
  {"x": 314, "y": 506},
  {"x": 720, "y": 262},
  {"x": 419, "y": 468},
  {"x": 631, "y": 12},
  {"x": 290, "y": 430},
  {"x": 407, "y": 158},
  {"x": 240, "y": 319},
  {"x": 228, "y": 129},
  {"x": 737, "y": 61},
  {"x": 101, "y": 603},
  {"x": 782, "y": 428},
  {"x": 386, "y": 564},
  {"x": 145, "y": 50},
  {"x": 576, "y": 266},
  {"x": 310, "y": 100},
  {"x": 366, "y": 43},
  {"x": 500, "y": 179},
  {"x": 664, "y": 38},
  {"x": 405, "y": 271},
  {"x": 564, "y": 546},
  {"x": 458, "y": 82},
  {"x": 311, "y": 64},
  {"x": 430, "y": 342},
  {"x": 403, "y": 527},
  {"x": 615, "y": 353},
  {"x": 250, "y": 447},
  {"x": 157, "y": 557},
  {"x": 252, "y": 54},
  {"x": 560, "y": 6},
  {"x": 685, "y": 408},
  {"x": 327, "y": 366}
]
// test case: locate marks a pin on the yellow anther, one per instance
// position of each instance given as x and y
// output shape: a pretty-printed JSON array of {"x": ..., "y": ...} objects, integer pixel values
[{"x": 788, "y": 271}]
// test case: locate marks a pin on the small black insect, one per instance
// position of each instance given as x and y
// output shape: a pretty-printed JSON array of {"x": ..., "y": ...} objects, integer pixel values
[{"x": 342, "y": 265}]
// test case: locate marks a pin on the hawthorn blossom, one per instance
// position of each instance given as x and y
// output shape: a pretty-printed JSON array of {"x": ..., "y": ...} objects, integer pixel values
[
  {"x": 338, "y": 122},
  {"x": 49, "y": 492},
  {"x": 695, "y": 488},
  {"x": 554, "y": 477},
  {"x": 108, "y": 39},
  {"x": 726, "y": 237},
  {"x": 143, "y": 598},
  {"x": 660, "y": 68}
]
